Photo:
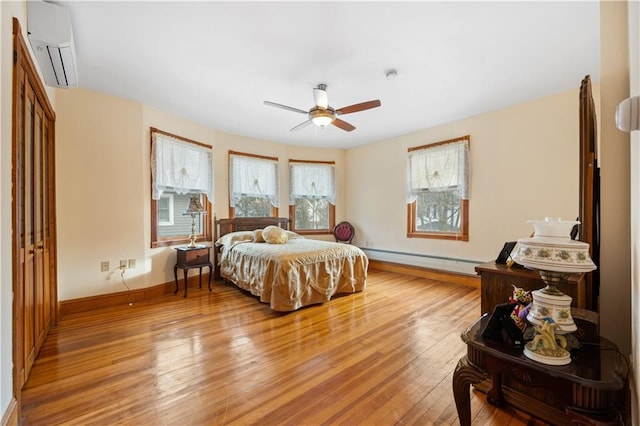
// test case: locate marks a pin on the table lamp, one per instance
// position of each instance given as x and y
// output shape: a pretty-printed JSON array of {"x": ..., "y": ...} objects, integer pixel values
[
  {"x": 195, "y": 209},
  {"x": 556, "y": 257}
]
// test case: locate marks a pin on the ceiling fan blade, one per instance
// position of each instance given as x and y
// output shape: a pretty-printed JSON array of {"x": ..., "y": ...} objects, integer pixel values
[
  {"x": 285, "y": 107},
  {"x": 343, "y": 125},
  {"x": 320, "y": 96},
  {"x": 359, "y": 107},
  {"x": 301, "y": 125}
]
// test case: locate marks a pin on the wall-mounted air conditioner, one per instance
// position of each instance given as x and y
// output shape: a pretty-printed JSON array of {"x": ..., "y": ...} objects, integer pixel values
[{"x": 51, "y": 38}]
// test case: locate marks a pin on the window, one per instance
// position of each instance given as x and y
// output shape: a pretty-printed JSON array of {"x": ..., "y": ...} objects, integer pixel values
[
  {"x": 253, "y": 185},
  {"x": 165, "y": 210},
  {"x": 438, "y": 190},
  {"x": 171, "y": 220},
  {"x": 180, "y": 168},
  {"x": 312, "y": 193}
]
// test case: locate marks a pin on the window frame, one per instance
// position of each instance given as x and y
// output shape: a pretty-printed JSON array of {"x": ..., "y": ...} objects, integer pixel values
[
  {"x": 292, "y": 207},
  {"x": 463, "y": 234},
  {"x": 232, "y": 211},
  {"x": 206, "y": 234}
]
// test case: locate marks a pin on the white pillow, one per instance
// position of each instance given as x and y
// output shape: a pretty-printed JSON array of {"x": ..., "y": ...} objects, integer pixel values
[
  {"x": 234, "y": 237},
  {"x": 275, "y": 235}
]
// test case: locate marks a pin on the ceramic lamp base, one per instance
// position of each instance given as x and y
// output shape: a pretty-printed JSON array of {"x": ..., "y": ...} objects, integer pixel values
[
  {"x": 563, "y": 358},
  {"x": 555, "y": 307}
]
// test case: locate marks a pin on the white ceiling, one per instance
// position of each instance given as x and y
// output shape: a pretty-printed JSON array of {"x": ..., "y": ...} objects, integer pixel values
[{"x": 216, "y": 62}]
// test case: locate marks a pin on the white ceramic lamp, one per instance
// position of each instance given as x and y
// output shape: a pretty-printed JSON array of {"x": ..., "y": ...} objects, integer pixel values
[{"x": 555, "y": 256}]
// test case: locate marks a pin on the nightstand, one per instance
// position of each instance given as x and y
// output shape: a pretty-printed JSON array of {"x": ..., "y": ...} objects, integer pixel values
[
  {"x": 592, "y": 389},
  {"x": 189, "y": 258}
]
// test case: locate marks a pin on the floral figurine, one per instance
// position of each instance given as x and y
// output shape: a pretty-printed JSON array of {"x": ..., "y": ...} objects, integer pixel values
[
  {"x": 522, "y": 299},
  {"x": 546, "y": 342}
]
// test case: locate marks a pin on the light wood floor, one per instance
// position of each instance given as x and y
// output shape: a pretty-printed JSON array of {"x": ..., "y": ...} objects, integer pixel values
[{"x": 383, "y": 356}]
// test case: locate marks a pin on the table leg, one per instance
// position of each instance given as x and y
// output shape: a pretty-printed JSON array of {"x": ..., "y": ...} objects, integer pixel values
[
  {"x": 185, "y": 270},
  {"x": 463, "y": 376},
  {"x": 494, "y": 394},
  {"x": 210, "y": 272},
  {"x": 200, "y": 282},
  {"x": 175, "y": 277}
]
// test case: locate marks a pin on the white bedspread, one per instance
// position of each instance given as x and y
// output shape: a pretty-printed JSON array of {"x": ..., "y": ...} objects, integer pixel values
[{"x": 296, "y": 274}]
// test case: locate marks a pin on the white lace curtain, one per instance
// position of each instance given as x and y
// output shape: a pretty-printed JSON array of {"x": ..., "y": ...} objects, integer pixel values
[
  {"x": 312, "y": 180},
  {"x": 439, "y": 168},
  {"x": 181, "y": 166},
  {"x": 253, "y": 177}
]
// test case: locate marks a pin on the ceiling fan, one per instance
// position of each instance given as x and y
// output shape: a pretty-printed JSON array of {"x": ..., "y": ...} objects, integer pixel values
[{"x": 322, "y": 114}]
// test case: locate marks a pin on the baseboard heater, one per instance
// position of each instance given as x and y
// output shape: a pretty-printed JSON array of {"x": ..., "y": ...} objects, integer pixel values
[{"x": 449, "y": 264}]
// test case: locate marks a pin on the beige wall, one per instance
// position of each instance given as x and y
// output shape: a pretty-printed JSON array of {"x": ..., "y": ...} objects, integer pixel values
[
  {"x": 615, "y": 250},
  {"x": 103, "y": 188},
  {"x": 99, "y": 181},
  {"x": 524, "y": 165},
  {"x": 103, "y": 184}
]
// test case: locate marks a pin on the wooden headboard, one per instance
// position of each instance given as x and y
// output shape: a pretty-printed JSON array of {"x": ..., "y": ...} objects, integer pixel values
[{"x": 224, "y": 226}]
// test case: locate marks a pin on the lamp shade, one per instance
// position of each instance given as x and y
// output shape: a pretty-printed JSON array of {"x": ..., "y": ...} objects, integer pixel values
[
  {"x": 552, "y": 249},
  {"x": 322, "y": 117},
  {"x": 195, "y": 206}
]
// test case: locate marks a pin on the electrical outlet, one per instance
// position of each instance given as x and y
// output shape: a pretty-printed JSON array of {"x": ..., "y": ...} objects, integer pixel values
[
  {"x": 123, "y": 264},
  {"x": 104, "y": 266},
  {"x": 131, "y": 264}
]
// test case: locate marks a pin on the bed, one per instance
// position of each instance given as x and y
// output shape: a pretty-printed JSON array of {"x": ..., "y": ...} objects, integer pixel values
[{"x": 290, "y": 273}]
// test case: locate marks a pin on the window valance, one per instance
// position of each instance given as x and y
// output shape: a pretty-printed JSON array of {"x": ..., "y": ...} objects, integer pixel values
[
  {"x": 253, "y": 177},
  {"x": 181, "y": 166},
  {"x": 312, "y": 180},
  {"x": 440, "y": 167}
]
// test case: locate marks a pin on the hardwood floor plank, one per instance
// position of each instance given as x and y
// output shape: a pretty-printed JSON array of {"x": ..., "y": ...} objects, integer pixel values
[{"x": 383, "y": 356}]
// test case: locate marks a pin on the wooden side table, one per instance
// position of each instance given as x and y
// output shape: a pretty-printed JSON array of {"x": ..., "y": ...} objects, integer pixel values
[
  {"x": 592, "y": 389},
  {"x": 189, "y": 258}
]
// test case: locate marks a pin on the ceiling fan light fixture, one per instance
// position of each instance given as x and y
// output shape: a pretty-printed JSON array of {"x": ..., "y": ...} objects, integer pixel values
[{"x": 322, "y": 117}]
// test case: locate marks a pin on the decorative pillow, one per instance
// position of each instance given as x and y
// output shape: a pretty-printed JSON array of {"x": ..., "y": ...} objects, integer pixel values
[
  {"x": 275, "y": 235},
  {"x": 234, "y": 237},
  {"x": 257, "y": 236}
]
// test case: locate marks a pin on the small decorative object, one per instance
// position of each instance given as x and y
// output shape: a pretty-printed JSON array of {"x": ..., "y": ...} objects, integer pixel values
[
  {"x": 522, "y": 299},
  {"x": 195, "y": 209},
  {"x": 546, "y": 347}
]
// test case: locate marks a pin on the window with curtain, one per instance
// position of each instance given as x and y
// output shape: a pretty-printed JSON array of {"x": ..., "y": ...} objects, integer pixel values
[
  {"x": 438, "y": 190},
  {"x": 312, "y": 196},
  {"x": 253, "y": 185},
  {"x": 180, "y": 169}
]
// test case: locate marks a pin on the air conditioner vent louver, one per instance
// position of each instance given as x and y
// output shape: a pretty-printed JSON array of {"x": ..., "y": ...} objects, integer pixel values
[{"x": 51, "y": 38}]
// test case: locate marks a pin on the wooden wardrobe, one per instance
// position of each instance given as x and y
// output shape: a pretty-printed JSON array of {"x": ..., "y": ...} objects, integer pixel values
[{"x": 33, "y": 212}]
